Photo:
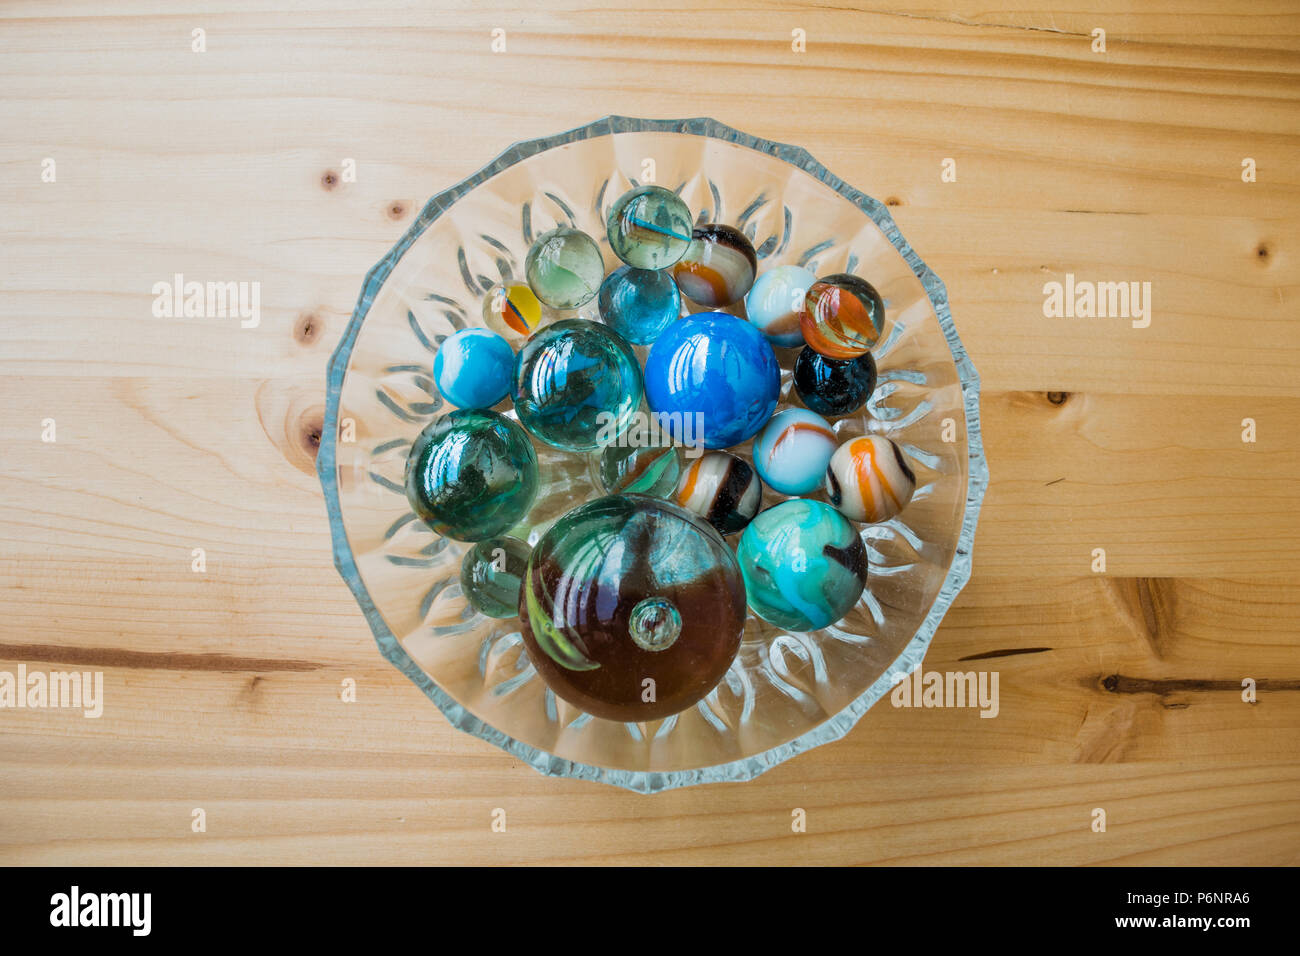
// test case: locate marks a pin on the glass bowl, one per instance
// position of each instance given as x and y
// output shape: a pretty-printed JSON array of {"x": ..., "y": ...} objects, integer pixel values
[{"x": 786, "y": 692}]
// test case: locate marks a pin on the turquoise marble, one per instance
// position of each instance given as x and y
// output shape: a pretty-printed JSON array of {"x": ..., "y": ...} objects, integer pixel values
[
  {"x": 803, "y": 563},
  {"x": 649, "y": 227},
  {"x": 492, "y": 574},
  {"x": 577, "y": 385},
  {"x": 564, "y": 268},
  {"x": 473, "y": 368},
  {"x": 471, "y": 474},
  {"x": 638, "y": 304}
]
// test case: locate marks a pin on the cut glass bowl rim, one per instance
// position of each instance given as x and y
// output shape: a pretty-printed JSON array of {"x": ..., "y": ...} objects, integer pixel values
[{"x": 746, "y": 768}]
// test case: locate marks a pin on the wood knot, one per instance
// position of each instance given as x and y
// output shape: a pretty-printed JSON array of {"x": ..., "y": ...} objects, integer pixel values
[
  {"x": 396, "y": 210},
  {"x": 311, "y": 424},
  {"x": 1110, "y": 683},
  {"x": 329, "y": 179},
  {"x": 893, "y": 201},
  {"x": 1058, "y": 398},
  {"x": 1262, "y": 252},
  {"x": 308, "y": 328}
]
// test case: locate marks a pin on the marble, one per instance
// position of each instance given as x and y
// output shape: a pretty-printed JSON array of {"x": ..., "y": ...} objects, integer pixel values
[
  {"x": 512, "y": 310},
  {"x": 564, "y": 268},
  {"x": 492, "y": 574},
  {"x": 471, "y": 474},
  {"x": 718, "y": 268},
  {"x": 649, "y": 227},
  {"x": 473, "y": 368},
  {"x": 722, "y": 489},
  {"x": 777, "y": 302},
  {"x": 639, "y": 304},
  {"x": 792, "y": 451},
  {"x": 869, "y": 479},
  {"x": 833, "y": 387},
  {"x": 715, "y": 379},
  {"x": 577, "y": 385},
  {"x": 644, "y": 469},
  {"x": 804, "y": 565},
  {"x": 844, "y": 317},
  {"x": 632, "y": 608}
]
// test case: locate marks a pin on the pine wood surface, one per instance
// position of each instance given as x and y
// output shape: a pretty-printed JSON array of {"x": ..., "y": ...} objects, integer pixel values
[{"x": 1119, "y": 690}]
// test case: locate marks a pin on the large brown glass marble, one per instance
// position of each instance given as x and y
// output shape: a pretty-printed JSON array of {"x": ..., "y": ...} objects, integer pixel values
[{"x": 632, "y": 608}]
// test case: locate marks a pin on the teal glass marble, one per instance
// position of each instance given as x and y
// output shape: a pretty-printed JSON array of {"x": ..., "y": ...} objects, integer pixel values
[
  {"x": 632, "y": 608},
  {"x": 471, "y": 474},
  {"x": 804, "y": 565},
  {"x": 577, "y": 385},
  {"x": 473, "y": 368},
  {"x": 492, "y": 574},
  {"x": 564, "y": 268},
  {"x": 645, "y": 469},
  {"x": 638, "y": 304},
  {"x": 649, "y": 227}
]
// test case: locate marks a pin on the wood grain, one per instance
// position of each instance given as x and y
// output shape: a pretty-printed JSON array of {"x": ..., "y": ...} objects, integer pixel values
[{"x": 1120, "y": 690}]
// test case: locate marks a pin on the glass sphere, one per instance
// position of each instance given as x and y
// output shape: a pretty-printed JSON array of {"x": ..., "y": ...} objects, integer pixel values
[
  {"x": 577, "y": 385},
  {"x": 512, "y": 310},
  {"x": 804, "y": 565},
  {"x": 844, "y": 317},
  {"x": 564, "y": 268},
  {"x": 492, "y": 574},
  {"x": 645, "y": 469},
  {"x": 638, "y": 304},
  {"x": 834, "y": 386},
  {"x": 715, "y": 379},
  {"x": 632, "y": 608},
  {"x": 649, "y": 227},
  {"x": 718, "y": 268},
  {"x": 471, "y": 474}
]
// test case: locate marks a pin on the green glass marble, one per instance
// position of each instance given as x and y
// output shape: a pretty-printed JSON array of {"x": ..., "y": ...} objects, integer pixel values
[
  {"x": 564, "y": 268},
  {"x": 471, "y": 474},
  {"x": 577, "y": 385},
  {"x": 649, "y": 227},
  {"x": 804, "y": 565},
  {"x": 632, "y": 608},
  {"x": 492, "y": 574},
  {"x": 645, "y": 469}
]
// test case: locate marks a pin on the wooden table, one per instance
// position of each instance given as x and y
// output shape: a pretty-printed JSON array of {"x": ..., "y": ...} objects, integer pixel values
[{"x": 1120, "y": 690}]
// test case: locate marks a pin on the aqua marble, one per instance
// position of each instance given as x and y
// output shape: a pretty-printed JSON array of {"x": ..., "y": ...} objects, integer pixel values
[
  {"x": 577, "y": 385},
  {"x": 793, "y": 449},
  {"x": 638, "y": 304},
  {"x": 833, "y": 387},
  {"x": 473, "y": 368},
  {"x": 564, "y": 268},
  {"x": 651, "y": 469},
  {"x": 804, "y": 565},
  {"x": 492, "y": 574},
  {"x": 714, "y": 378},
  {"x": 649, "y": 227},
  {"x": 632, "y": 608},
  {"x": 777, "y": 302},
  {"x": 471, "y": 474}
]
